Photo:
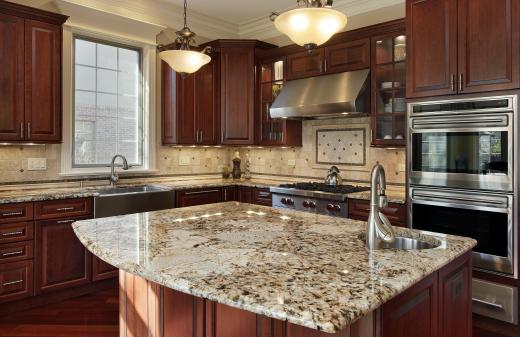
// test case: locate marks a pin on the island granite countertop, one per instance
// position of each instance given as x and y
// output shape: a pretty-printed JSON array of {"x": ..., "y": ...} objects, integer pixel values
[{"x": 308, "y": 269}]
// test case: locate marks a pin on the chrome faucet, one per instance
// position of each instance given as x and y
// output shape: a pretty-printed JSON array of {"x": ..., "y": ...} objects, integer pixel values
[
  {"x": 379, "y": 229},
  {"x": 114, "y": 178}
]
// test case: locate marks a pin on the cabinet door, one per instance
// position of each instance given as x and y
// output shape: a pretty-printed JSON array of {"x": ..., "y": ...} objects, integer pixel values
[
  {"x": 198, "y": 197},
  {"x": 489, "y": 42},
  {"x": 42, "y": 81},
  {"x": 61, "y": 259},
  {"x": 237, "y": 95},
  {"x": 186, "y": 110},
  {"x": 348, "y": 56},
  {"x": 305, "y": 64},
  {"x": 230, "y": 193},
  {"x": 413, "y": 313},
  {"x": 207, "y": 108},
  {"x": 169, "y": 105},
  {"x": 431, "y": 28},
  {"x": 245, "y": 194},
  {"x": 11, "y": 77},
  {"x": 102, "y": 270}
]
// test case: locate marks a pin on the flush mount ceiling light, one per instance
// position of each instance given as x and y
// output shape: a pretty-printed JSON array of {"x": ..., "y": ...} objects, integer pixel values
[
  {"x": 184, "y": 60},
  {"x": 311, "y": 24}
]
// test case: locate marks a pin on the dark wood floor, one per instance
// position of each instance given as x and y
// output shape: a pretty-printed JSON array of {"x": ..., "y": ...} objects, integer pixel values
[
  {"x": 96, "y": 315},
  {"x": 93, "y": 315}
]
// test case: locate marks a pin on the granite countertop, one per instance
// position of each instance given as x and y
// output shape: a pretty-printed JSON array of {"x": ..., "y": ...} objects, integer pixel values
[
  {"x": 41, "y": 193},
  {"x": 308, "y": 269}
]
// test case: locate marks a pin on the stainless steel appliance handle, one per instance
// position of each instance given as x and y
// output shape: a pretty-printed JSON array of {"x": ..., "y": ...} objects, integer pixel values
[
  {"x": 460, "y": 122},
  {"x": 494, "y": 305},
  {"x": 466, "y": 199}
]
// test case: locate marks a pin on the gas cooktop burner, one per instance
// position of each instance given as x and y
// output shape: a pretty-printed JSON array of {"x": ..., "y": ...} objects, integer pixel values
[{"x": 341, "y": 189}]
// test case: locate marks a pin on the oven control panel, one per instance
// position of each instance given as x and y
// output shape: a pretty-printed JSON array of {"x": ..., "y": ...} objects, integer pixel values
[{"x": 319, "y": 206}]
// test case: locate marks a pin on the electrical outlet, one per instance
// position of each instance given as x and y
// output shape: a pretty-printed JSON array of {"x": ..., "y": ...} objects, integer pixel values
[
  {"x": 37, "y": 164},
  {"x": 401, "y": 167},
  {"x": 184, "y": 160},
  {"x": 291, "y": 162}
]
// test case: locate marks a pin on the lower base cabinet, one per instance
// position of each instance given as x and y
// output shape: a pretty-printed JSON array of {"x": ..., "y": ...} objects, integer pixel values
[
  {"x": 359, "y": 209},
  {"x": 437, "y": 306},
  {"x": 16, "y": 281},
  {"x": 197, "y": 197},
  {"x": 245, "y": 194},
  {"x": 102, "y": 270}
]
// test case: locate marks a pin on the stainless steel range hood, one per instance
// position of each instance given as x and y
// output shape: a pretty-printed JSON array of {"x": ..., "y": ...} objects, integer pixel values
[{"x": 329, "y": 96}]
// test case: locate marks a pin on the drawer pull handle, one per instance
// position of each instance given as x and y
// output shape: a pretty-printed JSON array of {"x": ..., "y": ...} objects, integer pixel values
[
  {"x": 493, "y": 305},
  {"x": 12, "y": 213},
  {"x": 65, "y": 221},
  {"x": 12, "y": 282},
  {"x": 264, "y": 194},
  {"x": 13, "y": 233},
  {"x": 19, "y": 252},
  {"x": 63, "y": 209}
]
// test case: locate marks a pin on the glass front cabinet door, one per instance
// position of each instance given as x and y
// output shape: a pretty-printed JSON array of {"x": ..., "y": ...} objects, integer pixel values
[{"x": 389, "y": 90}]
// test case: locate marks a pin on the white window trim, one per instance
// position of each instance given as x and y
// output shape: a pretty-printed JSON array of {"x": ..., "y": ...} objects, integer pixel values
[{"x": 149, "y": 60}]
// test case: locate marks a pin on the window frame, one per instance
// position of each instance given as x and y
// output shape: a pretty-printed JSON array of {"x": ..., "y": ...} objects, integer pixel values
[{"x": 140, "y": 97}]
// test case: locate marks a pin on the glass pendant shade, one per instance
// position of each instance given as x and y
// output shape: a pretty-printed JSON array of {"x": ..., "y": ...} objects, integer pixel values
[
  {"x": 310, "y": 26},
  {"x": 184, "y": 61}
]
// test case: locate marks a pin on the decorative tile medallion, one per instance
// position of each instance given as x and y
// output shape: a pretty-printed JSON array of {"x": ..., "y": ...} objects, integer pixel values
[{"x": 341, "y": 146}]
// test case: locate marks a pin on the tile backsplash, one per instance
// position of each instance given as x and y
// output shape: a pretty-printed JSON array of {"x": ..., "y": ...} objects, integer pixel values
[{"x": 346, "y": 144}]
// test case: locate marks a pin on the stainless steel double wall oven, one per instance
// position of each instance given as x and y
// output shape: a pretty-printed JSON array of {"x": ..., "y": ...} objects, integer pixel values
[{"x": 462, "y": 171}]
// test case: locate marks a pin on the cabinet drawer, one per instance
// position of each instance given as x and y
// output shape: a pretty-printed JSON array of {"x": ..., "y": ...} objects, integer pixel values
[
  {"x": 360, "y": 209},
  {"x": 16, "y": 212},
  {"x": 263, "y": 196},
  {"x": 62, "y": 208},
  {"x": 16, "y": 251},
  {"x": 197, "y": 197},
  {"x": 16, "y": 232},
  {"x": 16, "y": 280}
]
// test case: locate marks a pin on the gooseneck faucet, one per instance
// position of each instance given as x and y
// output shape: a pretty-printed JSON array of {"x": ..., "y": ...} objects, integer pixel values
[
  {"x": 114, "y": 178},
  {"x": 379, "y": 229}
]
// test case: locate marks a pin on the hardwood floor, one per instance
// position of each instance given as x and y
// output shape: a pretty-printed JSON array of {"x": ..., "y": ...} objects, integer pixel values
[{"x": 94, "y": 315}]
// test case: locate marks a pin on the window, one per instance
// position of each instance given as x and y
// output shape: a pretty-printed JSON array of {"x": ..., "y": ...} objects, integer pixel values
[{"x": 108, "y": 103}]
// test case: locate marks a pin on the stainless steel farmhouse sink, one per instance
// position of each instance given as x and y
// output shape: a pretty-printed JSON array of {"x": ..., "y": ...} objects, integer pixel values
[{"x": 132, "y": 199}]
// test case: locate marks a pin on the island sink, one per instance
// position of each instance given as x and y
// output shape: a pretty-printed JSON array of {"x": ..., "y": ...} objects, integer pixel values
[
  {"x": 241, "y": 270},
  {"x": 407, "y": 243}
]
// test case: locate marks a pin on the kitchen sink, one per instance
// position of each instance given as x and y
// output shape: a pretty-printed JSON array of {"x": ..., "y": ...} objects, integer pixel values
[
  {"x": 404, "y": 243},
  {"x": 132, "y": 199}
]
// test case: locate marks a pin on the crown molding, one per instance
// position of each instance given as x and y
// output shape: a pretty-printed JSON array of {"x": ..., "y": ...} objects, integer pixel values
[
  {"x": 262, "y": 28},
  {"x": 161, "y": 14}
]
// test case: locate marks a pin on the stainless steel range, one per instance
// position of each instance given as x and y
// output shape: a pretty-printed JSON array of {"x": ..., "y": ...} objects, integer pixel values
[{"x": 318, "y": 198}]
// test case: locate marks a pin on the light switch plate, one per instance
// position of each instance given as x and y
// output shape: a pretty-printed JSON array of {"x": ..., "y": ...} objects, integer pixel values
[
  {"x": 291, "y": 162},
  {"x": 37, "y": 164},
  {"x": 184, "y": 160}
]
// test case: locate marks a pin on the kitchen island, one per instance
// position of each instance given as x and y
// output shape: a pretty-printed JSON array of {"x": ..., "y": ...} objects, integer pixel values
[{"x": 233, "y": 269}]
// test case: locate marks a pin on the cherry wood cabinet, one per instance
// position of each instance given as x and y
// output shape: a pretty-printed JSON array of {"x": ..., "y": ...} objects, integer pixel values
[
  {"x": 340, "y": 57},
  {"x": 462, "y": 46},
  {"x": 190, "y": 113},
  {"x": 61, "y": 259},
  {"x": 230, "y": 193},
  {"x": 30, "y": 74},
  {"x": 274, "y": 131},
  {"x": 102, "y": 270},
  {"x": 16, "y": 281},
  {"x": 11, "y": 77},
  {"x": 195, "y": 197},
  {"x": 237, "y": 85},
  {"x": 359, "y": 209}
]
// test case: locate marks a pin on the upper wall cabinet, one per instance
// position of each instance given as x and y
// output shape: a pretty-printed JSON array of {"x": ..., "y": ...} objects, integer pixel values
[
  {"x": 462, "y": 46},
  {"x": 30, "y": 74},
  {"x": 190, "y": 113},
  {"x": 347, "y": 56}
]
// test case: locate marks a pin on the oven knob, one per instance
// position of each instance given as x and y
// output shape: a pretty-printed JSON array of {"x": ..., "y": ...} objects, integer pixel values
[
  {"x": 290, "y": 202},
  {"x": 337, "y": 208},
  {"x": 283, "y": 201},
  {"x": 305, "y": 204},
  {"x": 312, "y": 204},
  {"x": 330, "y": 207}
]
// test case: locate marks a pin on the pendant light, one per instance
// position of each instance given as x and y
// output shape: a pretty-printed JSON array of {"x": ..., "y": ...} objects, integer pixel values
[
  {"x": 311, "y": 24},
  {"x": 184, "y": 60}
]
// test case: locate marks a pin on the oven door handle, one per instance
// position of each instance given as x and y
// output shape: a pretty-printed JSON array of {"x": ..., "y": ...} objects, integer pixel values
[
  {"x": 468, "y": 200},
  {"x": 460, "y": 122}
]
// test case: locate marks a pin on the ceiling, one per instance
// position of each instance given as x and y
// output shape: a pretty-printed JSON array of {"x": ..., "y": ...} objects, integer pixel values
[{"x": 235, "y": 11}]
